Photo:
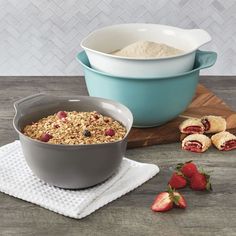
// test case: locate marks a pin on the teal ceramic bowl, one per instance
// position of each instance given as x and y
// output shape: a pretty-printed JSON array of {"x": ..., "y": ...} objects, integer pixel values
[{"x": 153, "y": 101}]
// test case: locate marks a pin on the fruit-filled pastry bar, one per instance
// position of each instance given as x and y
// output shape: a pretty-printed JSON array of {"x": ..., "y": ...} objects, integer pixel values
[
  {"x": 224, "y": 141},
  {"x": 191, "y": 126},
  {"x": 213, "y": 124},
  {"x": 196, "y": 143}
]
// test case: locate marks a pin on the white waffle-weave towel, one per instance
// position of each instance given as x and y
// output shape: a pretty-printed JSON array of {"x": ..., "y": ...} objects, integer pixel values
[{"x": 16, "y": 179}]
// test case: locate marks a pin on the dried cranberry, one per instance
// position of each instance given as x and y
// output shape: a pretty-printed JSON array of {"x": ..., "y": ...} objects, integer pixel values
[
  {"x": 45, "y": 137},
  {"x": 96, "y": 115},
  {"x": 56, "y": 126},
  {"x": 107, "y": 120},
  {"x": 110, "y": 132},
  {"x": 61, "y": 114},
  {"x": 87, "y": 133}
]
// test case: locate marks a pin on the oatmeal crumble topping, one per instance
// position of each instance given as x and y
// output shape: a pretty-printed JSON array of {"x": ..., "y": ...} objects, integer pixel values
[{"x": 72, "y": 127}]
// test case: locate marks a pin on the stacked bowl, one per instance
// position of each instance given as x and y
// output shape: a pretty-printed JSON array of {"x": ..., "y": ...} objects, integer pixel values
[{"x": 156, "y": 90}]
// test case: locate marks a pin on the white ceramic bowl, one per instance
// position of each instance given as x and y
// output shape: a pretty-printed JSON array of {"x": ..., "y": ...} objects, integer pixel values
[{"x": 100, "y": 43}]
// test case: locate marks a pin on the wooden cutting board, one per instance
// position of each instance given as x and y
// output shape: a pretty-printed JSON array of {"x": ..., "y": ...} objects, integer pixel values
[{"x": 204, "y": 103}]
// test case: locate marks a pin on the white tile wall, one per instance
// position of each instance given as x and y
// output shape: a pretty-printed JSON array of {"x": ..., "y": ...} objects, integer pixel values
[{"x": 42, "y": 37}]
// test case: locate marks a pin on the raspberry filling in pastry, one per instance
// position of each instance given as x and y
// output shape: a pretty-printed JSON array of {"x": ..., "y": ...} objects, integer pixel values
[
  {"x": 192, "y": 126},
  {"x": 194, "y": 129},
  {"x": 213, "y": 124},
  {"x": 193, "y": 146},
  {"x": 206, "y": 124},
  {"x": 224, "y": 141},
  {"x": 196, "y": 143},
  {"x": 229, "y": 145}
]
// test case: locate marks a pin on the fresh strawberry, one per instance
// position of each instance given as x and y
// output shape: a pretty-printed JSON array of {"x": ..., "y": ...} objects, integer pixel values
[
  {"x": 179, "y": 200},
  {"x": 163, "y": 202},
  {"x": 188, "y": 168},
  {"x": 177, "y": 180},
  {"x": 200, "y": 181},
  {"x": 166, "y": 200}
]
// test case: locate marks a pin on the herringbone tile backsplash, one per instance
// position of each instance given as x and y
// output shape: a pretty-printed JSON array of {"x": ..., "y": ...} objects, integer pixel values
[{"x": 42, "y": 37}]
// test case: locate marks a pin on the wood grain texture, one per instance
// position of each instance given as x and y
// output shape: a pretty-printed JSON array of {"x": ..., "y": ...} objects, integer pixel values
[
  {"x": 208, "y": 214},
  {"x": 204, "y": 103}
]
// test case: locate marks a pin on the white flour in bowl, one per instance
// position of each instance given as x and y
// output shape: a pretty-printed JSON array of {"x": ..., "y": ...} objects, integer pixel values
[{"x": 147, "y": 49}]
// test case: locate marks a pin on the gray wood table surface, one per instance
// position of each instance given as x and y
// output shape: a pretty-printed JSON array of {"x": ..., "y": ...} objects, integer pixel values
[{"x": 207, "y": 213}]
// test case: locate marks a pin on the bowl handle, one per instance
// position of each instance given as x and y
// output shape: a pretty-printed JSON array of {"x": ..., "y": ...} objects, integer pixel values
[
  {"x": 200, "y": 36},
  {"x": 205, "y": 58},
  {"x": 83, "y": 59},
  {"x": 20, "y": 104}
]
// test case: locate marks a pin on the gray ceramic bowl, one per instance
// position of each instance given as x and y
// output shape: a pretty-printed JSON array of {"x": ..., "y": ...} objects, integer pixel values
[{"x": 70, "y": 166}]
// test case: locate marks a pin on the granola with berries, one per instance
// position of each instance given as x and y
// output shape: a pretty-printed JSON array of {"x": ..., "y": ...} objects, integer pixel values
[{"x": 72, "y": 127}]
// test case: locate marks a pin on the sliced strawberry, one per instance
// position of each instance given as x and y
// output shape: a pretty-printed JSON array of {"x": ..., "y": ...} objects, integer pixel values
[
  {"x": 179, "y": 200},
  {"x": 162, "y": 203},
  {"x": 166, "y": 200},
  {"x": 177, "y": 181},
  {"x": 188, "y": 168},
  {"x": 200, "y": 181}
]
